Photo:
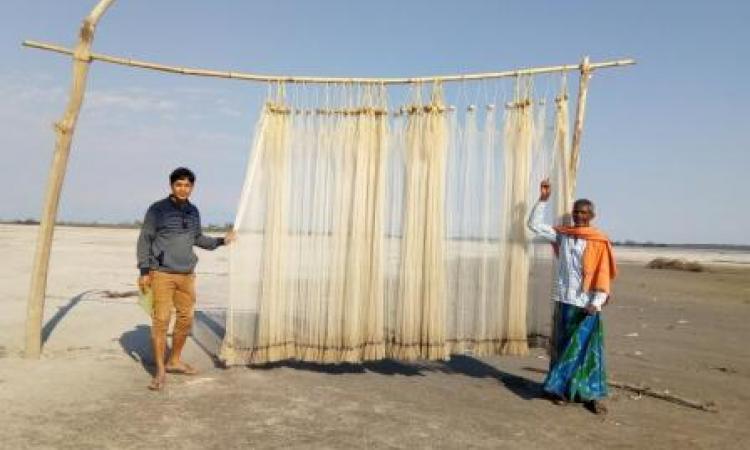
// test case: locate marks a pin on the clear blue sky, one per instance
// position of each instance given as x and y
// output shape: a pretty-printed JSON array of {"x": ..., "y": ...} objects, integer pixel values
[{"x": 666, "y": 148}]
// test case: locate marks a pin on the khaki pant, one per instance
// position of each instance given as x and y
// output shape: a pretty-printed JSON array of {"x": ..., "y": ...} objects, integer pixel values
[{"x": 172, "y": 290}]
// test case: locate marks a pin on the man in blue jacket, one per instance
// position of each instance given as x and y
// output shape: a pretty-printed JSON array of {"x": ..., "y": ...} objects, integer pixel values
[{"x": 166, "y": 260}]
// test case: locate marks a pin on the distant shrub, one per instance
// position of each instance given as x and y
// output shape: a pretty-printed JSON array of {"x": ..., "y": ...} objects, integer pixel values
[
  {"x": 675, "y": 264},
  {"x": 28, "y": 222}
]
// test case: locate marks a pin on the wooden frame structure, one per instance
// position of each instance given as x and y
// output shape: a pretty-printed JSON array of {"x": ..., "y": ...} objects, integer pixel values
[{"x": 64, "y": 129}]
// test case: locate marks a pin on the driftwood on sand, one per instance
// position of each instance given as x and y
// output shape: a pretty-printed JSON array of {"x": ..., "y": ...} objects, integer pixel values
[{"x": 708, "y": 406}]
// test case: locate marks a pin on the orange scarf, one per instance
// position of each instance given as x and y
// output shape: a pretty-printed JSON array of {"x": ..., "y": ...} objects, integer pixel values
[{"x": 599, "y": 267}]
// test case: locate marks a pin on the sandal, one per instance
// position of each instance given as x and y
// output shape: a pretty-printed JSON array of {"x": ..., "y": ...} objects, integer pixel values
[{"x": 182, "y": 369}]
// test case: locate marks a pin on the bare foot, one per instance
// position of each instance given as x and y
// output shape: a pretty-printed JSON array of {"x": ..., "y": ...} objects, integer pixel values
[
  {"x": 559, "y": 401},
  {"x": 157, "y": 383},
  {"x": 597, "y": 407},
  {"x": 181, "y": 368}
]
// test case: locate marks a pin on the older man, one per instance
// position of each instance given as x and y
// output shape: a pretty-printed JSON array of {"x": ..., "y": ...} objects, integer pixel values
[{"x": 585, "y": 268}]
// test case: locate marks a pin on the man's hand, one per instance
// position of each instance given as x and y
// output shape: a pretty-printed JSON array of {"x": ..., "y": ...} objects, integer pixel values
[
  {"x": 590, "y": 309},
  {"x": 144, "y": 282},
  {"x": 544, "y": 190},
  {"x": 230, "y": 237}
]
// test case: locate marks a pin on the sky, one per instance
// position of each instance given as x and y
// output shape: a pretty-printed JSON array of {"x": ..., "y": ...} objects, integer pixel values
[{"x": 665, "y": 151}]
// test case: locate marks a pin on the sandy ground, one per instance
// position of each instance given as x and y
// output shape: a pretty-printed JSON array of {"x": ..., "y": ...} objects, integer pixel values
[{"x": 685, "y": 332}]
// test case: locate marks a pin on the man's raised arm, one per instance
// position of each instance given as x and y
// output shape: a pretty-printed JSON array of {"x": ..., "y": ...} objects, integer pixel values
[{"x": 536, "y": 218}]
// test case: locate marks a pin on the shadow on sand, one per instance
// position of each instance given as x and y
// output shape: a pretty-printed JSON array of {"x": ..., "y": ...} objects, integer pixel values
[
  {"x": 208, "y": 333},
  {"x": 136, "y": 343},
  {"x": 459, "y": 364},
  {"x": 55, "y": 320}
]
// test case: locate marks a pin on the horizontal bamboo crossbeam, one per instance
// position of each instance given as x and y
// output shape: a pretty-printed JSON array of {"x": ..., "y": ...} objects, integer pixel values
[
  {"x": 281, "y": 109},
  {"x": 310, "y": 79}
]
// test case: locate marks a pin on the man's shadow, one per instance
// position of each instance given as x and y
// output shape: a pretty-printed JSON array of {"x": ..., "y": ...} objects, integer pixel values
[
  {"x": 522, "y": 387},
  {"x": 207, "y": 333},
  {"x": 136, "y": 344}
]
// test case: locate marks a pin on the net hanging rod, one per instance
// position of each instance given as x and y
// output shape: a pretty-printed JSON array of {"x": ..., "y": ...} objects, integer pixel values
[{"x": 328, "y": 80}]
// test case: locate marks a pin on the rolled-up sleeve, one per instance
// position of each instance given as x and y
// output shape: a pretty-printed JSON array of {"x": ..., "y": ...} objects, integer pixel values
[{"x": 536, "y": 223}]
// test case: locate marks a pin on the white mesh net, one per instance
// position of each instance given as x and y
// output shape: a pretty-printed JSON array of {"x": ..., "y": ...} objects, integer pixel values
[{"x": 368, "y": 233}]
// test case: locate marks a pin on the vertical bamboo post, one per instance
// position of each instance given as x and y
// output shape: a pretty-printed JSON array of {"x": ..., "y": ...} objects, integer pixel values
[
  {"x": 64, "y": 130},
  {"x": 575, "y": 148}
]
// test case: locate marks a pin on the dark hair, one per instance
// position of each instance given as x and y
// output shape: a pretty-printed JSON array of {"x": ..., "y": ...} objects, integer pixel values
[
  {"x": 585, "y": 202},
  {"x": 182, "y": 173}
]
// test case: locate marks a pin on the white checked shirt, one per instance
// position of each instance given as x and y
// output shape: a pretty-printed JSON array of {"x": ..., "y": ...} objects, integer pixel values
[{"x": 570, "y": 263}]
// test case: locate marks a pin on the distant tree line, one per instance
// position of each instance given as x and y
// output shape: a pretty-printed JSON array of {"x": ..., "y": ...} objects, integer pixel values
[
  {"x": 632, "y": 243},
  {"x": 119, "y": 225},
  {"x": 228, "y": 226}
]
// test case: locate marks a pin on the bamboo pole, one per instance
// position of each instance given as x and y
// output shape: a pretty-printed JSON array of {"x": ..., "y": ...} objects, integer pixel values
[
  {"x": 64, "y": 130},
  {"x": 575, "y": 149},
  {"x": 314, "y": 79}
]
